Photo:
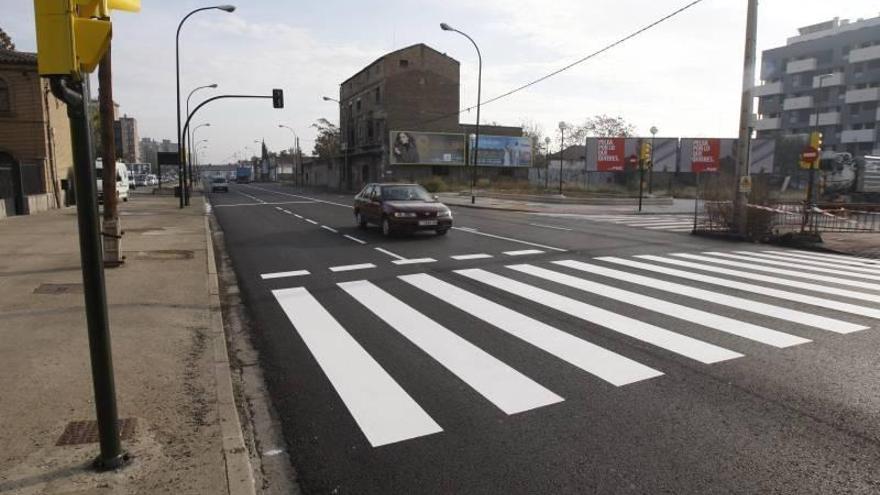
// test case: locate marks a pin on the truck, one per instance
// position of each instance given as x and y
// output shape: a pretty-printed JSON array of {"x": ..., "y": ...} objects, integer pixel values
[
  {"x": 243, "y": 175},
  {"x": 858, "y": 179}
]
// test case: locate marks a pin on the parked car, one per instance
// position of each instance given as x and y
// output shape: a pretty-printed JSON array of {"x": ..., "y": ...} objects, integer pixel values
[
  {"x": 401, "y": 208},
  {"x": 122, "y": 183},
  {"x": 219, "y": 184}
]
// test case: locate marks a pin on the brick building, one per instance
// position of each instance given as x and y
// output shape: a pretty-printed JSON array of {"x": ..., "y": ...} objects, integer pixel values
[
  {"x": 36, "y": 157},
  {"x": 126, "y": 134}
]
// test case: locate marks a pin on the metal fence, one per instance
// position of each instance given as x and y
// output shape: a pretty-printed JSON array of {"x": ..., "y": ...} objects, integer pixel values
[{"x": 827, "y": 217}]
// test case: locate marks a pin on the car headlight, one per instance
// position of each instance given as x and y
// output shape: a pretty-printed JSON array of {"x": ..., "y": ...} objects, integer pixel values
[
  {"x": 445, "y": 214},
  {"x": 404, "y": 214}
]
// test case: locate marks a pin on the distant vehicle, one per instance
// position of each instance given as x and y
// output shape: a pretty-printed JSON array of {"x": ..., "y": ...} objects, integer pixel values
[
  {"x": 858, "y": 178},
  {"x": 152, "y": 180},
  {"x": 219, "y": 184},
  {"x": 401, "y": 208},
  {"x": 141, "y": 180},
  {"x": 122, "y": 183},
  {"x": 243, "y": 175}
]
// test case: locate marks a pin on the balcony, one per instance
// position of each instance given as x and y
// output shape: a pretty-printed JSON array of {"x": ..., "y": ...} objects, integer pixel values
[
  {"x": 798, "y": 103},
  {"x": 767, "y": 89},
  {"x": 829, "y": 81},
  {"x": 862, "y": 95},
  {"x": 827, "y": 118},
  {"x": 767, "y": 124},
  {"x": 798, "y": 66},
  {"x": 859, "y": 136},
  {"x": 864, "y": 54}
]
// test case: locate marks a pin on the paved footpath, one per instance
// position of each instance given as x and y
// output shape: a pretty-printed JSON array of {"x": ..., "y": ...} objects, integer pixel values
[{"x": 172, "y": 376}]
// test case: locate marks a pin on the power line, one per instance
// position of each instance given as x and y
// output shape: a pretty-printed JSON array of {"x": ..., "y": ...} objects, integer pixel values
[{"x": 575, "y": 63}]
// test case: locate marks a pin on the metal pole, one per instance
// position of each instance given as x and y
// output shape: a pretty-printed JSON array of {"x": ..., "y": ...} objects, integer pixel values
[
  {"x": 651, "y": 170},
  {"x": 810, "y": 201},
  {"x": 641, "y": 183},
  {"x": 741, "y": 198},
  {"x": 561, "y": 156},
  {"x": 76, "y": 95},
  {"x": 108, "y": 140}
]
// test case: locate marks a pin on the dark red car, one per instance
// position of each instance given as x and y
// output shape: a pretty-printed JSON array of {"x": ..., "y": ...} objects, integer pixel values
[{"x": 401, "y": 208}]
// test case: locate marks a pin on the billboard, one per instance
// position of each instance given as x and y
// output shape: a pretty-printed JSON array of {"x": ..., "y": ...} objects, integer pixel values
[
  {"x": 610, "y": 154},
  {"x": 705, "y": 155},
  {"x": 503, "y": 151},
  {"x": 761, "y": 156},
  {"x": 665, "y": 154},
  {"x": 426, "y": 148}
]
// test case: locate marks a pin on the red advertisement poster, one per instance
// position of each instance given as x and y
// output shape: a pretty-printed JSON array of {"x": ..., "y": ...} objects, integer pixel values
[
  {"x": 611, "y": 155},
  {"x": 705, "y": 155}
]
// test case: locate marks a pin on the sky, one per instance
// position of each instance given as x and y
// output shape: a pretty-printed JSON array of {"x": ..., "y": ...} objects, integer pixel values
[{"x": 683, "y": 76}]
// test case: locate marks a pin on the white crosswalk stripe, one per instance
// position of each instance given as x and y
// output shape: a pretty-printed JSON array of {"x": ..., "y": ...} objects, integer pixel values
[
  {"x": 814, "y": 262},
  {"x": 800, "y": 266},
  {"x": 666, "y": 223},
  {"x": 844, "y": 260},
  {"x": 386, "y": 413},
  {"x": 505, "y": 387}
]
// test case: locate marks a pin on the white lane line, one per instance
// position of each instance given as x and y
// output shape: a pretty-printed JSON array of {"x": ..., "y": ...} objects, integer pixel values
[
  {"x": 740, "y": 303},
  {"x": 756, "y": 259},
  {"x": 414, "y": 261},
  {"x": 645, "y": 332},
  {"x": 861, "y": 262},
  {"x": 288, "y": 212},
  {"x": 478, "y": 256},
  {"x": 797, "y": 284},
  {"x": 348, "y": 268},
  {"x": 295, "y": 273},
  {"x": 297, "y": 215},
  {"x": 316, "y": 200},
  {"x": 658, "y": 224},
  {"x": 258, "y": 200},
  {"x": 549, "y": 226},
  {"x": 389, "y": 253},
  {"x": 355, "y": 239},
  {"x": 780, "y": 271},
  {"x": 524, "y": 252},
  {"x": 732, "y": 326},
  {"x": 470, "y": 230},
  {"x": 311, "y": 221},
  {"x": 331, "y": 229},
  {"x": 279, "y": 208},
  {"x": 264, "y": 204},
  {"x": 609, "y": 366},
  {"x": 826, "y": 263},
  {"x": 746, "y": 287},
  {"x": 384, "y": 411},
  {"x": 507, "y": 388}
]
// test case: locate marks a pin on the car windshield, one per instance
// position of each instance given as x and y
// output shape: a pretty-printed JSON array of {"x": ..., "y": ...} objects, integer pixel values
[
  {"x": 405, "y": 193},
  {"x": 219, "y": 180}
]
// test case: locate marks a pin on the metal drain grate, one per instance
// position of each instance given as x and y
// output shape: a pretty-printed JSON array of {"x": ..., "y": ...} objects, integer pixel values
[
  {"x": 59, "y": 289},
  {"x": 165, "y": 255},
  {"x": 80, "y": 432}
]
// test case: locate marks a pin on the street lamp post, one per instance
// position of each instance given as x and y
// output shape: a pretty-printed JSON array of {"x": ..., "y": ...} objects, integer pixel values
[
  {"x": 296, "y": 165},
  {"x": 180, "y": 152},
  {"x": 561, "y": 153},
  {"x": 654, "y": 131},
  {"x": 447, "y": 27},
  {"x": 191, "y": 136},
  {"x": 547, "y": 165},
  {"x": 346, "y": 173}
]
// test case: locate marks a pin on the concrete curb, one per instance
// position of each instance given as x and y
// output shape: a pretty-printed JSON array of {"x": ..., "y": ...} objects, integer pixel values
[
  {"x": 497, "y": 208},
  {"x": 239, "y": 473}
]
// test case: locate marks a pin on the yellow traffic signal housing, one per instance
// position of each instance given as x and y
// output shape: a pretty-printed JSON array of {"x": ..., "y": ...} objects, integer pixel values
[
  {"x": 816, "y": 141},
  {"x": 72, "y": 35},
  {"x": 645, "y": 154}
]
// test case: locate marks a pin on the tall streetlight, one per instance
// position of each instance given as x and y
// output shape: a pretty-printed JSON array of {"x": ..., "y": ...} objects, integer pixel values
[
  {"x": 447, "y": 27},
  {"x": 180, "y": 153},
  {"x": 561, "y": 153},
  {"x": 346, "y": 173},
  {"x": 654, "y": 132},
  {"x": 296, "y": 165},
  {"x": 191, "y": 134}
]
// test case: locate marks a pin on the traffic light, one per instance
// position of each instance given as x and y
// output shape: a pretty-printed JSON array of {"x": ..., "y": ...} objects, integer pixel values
[
  {"x": 645, "y": 155},
  {"x": 72, "y": 35},
  {"x": 816, "y": 141},
  {"x": 278, "y": 98}
]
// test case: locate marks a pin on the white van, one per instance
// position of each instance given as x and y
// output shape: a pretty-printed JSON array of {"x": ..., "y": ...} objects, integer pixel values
[{"x": 122, "y": 182}]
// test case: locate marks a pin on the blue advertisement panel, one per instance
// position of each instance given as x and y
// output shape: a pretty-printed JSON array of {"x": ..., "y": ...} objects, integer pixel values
[{"x": 503, "y": 151}]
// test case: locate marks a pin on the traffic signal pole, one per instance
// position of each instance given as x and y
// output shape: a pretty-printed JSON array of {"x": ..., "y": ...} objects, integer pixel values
[{"x": 76, "y": 95}]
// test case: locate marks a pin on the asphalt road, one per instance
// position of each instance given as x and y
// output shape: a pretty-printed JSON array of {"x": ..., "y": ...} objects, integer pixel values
[{"x": 507, "y": 358}]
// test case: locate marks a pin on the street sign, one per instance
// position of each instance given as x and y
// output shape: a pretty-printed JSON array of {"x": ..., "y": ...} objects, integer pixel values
[
  {"x": 633, "y": 160},
  {"x": 745, "y": 184},
  {"x": 809, "y": 154}
]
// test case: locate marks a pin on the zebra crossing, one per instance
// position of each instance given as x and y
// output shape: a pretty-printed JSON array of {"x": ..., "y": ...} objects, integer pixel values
[
  {"x": 835, "y": 295},
  {"x": 666, "y": 223}
]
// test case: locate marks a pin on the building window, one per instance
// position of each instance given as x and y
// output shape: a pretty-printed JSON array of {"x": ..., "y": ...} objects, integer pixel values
[
  {"x": 378, "y": 95},
  {"x": 358, "y": 105},
  {"x": 404, "y": 63},
  {"x": 5, "y": 98}
]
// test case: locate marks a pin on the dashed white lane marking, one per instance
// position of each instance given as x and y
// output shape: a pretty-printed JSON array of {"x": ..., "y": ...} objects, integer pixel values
[
  {"x": 258, "y": 200},
  {"x": 295, "y": 273},
  {"x": 524, "y": 252},
  {"x": 507, "y": 388},
  {"x": 379, "y": 405},
  {"x": 316, "y": 200},
  {"x": 470, "y": 230},
  {"x": 279, "y": 208},
  {"x": 722, "y": 323},
  {"x": 265, "y": 204},
  {"x": 746, "y": 287},
  {"x": 680, "y": 344},
  {"x": 550, "y": 226},
  {"x": 288, "y": 212},
  {"x": 389, "y": 253},
  {"x": 297, "y": 215},
  {"x": 331, "y": 229},
  {"x": 477, "y": 256},
  {"x": 311, "y": 221},
  {"x": 609, "y": 366},
  {"x": 735, "y": 302},
  {"x": 355, "y": 239},
  {"x": 414, "y": 261},
  {"x": 348, "y": 268}
]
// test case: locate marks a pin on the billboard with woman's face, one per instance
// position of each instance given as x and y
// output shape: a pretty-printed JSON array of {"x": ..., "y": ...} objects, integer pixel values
[{"x": 426, "y": 148}]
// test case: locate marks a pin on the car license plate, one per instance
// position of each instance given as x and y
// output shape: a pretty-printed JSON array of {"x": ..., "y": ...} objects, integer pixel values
[{"x": 427, "y": 222}]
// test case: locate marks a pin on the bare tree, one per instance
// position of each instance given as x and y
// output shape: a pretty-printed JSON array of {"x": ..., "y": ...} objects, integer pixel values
[
  {"x": 606, "y": 126},
  {"x": 327, "y": 142}
]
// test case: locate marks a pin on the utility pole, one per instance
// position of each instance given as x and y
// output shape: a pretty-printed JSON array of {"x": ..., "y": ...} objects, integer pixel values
[
  {"x": 110, "y": 231},
  {"x": 740, "y": 204}
]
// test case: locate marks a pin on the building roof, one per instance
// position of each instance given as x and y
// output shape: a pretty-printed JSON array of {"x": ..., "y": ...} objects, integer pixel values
[
  {"x": 394, "y": 52},
  {"x": 16, "y": 57}
]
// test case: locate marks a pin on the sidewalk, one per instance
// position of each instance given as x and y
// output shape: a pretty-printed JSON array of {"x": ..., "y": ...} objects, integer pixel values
[
  {"x": 857, "y": 244},
  {"x": 679, "y": 206},
  {"x": 172, "y": 377}
]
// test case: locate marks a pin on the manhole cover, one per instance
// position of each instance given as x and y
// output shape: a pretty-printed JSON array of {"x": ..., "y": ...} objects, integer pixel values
[
  {"x": 80, "y": 432},
  {"x": 59, "y": 289},
  {"x": 165, "y": 255}
]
